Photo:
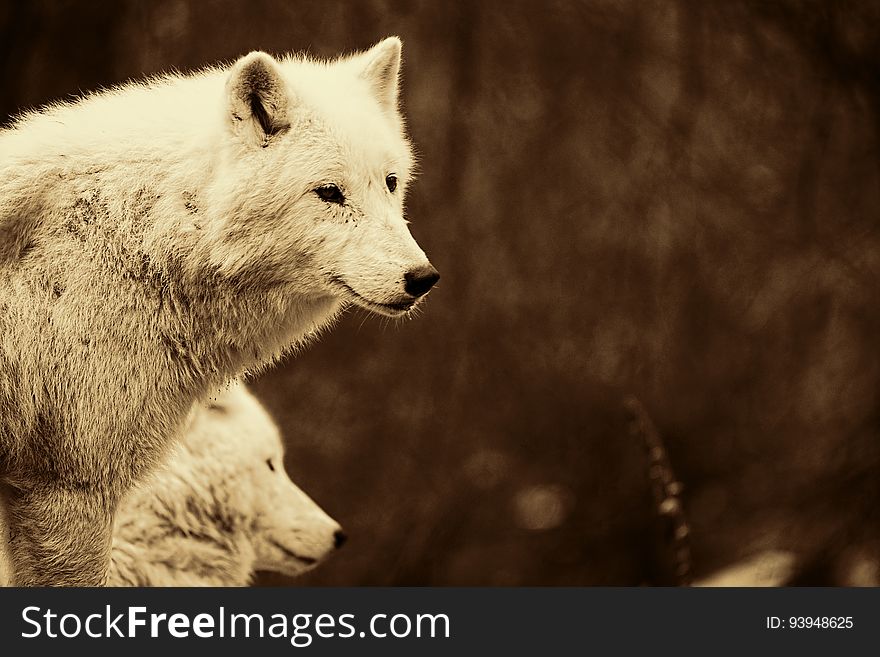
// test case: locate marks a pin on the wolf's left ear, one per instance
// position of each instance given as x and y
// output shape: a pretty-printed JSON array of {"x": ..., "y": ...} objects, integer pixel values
[
  {"x": 257, "y": 98},
  {"x": 381, "y": 70}
]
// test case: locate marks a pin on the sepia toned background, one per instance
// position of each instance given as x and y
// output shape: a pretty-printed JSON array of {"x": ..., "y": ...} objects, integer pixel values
[{"x": 677, "y": 201}]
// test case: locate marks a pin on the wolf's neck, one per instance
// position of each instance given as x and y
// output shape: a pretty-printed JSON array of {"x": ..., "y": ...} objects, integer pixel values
[
  {"x": 181, "y": 561},
  {"x": 226, "y": 329}
]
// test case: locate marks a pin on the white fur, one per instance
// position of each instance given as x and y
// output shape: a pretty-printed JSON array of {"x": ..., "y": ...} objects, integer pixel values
[
  {"x": 173, "y": 131},
  {"x": 157, "y": 240},
  {"x": 215, "y": 512}
]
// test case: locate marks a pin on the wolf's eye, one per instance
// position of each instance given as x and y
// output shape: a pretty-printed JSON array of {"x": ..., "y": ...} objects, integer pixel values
[
  {"x": 270, "y": 464},
  {"x": 391, "y": 182},
  {"x": 331, "y": 194}
]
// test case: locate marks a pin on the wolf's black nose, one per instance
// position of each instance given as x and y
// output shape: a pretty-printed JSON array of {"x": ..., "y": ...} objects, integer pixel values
[
  {"x": 339, "y": 538},
  {"x": 419, "y": 281}
]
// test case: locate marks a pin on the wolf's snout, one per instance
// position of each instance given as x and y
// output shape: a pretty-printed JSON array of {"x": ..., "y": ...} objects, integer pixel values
[
  {"x": 419, "y": 281},
  {"x": 339, "y": 538}
]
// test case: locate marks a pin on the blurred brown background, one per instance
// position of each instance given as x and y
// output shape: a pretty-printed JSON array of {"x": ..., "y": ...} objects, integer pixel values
[{"x": 675, "y": 200}]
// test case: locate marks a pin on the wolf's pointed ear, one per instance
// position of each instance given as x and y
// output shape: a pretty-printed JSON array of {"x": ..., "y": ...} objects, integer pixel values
[
  {"x": 257, "y": 98},
  {"x": 381, "y": 70}
]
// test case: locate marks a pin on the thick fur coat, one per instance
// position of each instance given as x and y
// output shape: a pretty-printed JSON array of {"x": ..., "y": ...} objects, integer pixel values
[
  {"x": 160, "y": 238},
  {"x": 220, "y": 509}
]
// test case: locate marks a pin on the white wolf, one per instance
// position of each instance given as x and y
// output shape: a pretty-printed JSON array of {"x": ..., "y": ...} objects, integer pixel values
[
  {"x": 160, "y": 238},
  {"x": 221, "y": 507}
]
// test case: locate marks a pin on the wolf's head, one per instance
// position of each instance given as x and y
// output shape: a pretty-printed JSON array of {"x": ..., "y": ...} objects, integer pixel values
[
  {"x": 221, "y": 507},
  {"x": 231, "y": 466},
  {"x": 314, "y": 172},
  {"x": 290, "y": 532}
]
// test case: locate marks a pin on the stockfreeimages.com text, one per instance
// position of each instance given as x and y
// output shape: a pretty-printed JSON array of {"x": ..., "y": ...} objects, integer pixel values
[{"x": 299, "y": 629}]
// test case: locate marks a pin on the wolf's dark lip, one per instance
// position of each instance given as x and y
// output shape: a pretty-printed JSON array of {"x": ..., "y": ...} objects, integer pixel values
[
  {"x": 383, "y": 308},
  {"x": 309, "y": 561}
]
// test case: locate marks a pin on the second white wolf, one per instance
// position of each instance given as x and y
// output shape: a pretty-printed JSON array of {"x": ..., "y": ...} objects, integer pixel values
[{"x": 221, "y": 508}]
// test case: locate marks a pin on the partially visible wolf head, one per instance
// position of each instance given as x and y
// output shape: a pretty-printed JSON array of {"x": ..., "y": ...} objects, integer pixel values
[
  {"x": 310, "y": 182},
  {"x": 221, "y": 508}
]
